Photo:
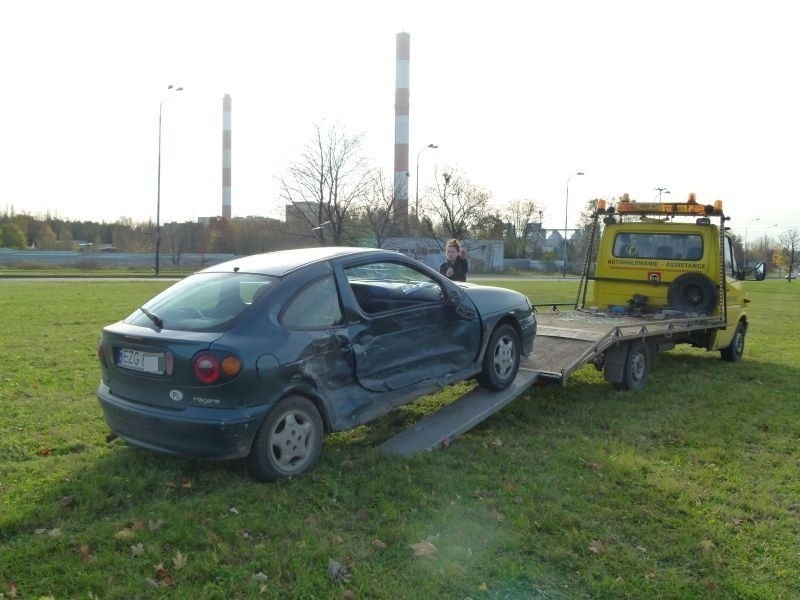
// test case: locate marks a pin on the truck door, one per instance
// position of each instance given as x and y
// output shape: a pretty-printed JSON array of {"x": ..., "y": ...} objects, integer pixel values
[{"x": 734, "y": 290}]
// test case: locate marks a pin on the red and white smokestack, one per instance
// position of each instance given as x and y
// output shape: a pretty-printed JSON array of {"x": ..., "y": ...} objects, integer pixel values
[
  {"x": 226, "y": 157},
  {"x": 401, "y": 104}
]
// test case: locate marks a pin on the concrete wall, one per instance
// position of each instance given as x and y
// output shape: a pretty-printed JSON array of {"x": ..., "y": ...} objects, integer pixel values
[{"x": 58, "y": 258}]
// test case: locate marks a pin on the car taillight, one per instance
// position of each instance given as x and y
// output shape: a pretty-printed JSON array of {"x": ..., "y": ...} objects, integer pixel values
[
  {"x": 209, "y": 368},
  {"x": 100, "y": 354}
]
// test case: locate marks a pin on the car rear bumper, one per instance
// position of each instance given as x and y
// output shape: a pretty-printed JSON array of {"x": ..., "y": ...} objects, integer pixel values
[{"x": 194, "y": 432}]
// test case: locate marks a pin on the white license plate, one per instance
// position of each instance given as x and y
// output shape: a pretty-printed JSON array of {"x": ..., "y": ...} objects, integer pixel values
[{"x": 137, "y": 360}]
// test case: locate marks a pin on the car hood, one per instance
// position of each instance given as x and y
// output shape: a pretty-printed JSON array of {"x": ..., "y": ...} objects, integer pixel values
[{"x": 490, "y": 299}]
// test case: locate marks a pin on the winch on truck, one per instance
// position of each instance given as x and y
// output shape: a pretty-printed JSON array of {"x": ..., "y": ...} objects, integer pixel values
[{"x": 661, "y": 274}]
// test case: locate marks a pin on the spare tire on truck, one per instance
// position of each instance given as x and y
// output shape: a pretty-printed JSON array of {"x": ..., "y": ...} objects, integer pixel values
[{"x": 692, "y": 292}]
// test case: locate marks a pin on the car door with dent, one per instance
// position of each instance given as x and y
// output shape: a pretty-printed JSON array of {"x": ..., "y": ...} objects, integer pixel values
[{"x": 411, "y": 327}]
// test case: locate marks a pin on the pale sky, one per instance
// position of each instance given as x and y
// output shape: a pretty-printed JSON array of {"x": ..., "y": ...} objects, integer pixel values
[{"x": 693, "y": 96}]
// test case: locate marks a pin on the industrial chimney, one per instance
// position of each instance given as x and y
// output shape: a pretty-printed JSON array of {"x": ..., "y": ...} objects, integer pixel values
[
  {"x": 401, "y": 104},
  {"x": 226, "y": 157}
]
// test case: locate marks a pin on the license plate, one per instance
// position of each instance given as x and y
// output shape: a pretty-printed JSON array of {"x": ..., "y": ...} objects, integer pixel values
[{"x": 137, "y": 360}]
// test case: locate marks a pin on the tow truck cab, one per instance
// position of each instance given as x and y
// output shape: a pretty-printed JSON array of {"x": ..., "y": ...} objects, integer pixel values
[{"x": 649, "y": 260}]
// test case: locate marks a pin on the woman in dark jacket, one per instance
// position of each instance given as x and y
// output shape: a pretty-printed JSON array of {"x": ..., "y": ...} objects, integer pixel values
[{"x": 456, "y": 265}]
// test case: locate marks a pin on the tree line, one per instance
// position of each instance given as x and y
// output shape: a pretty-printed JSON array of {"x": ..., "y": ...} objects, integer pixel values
[{"x": 335, "y": 196}]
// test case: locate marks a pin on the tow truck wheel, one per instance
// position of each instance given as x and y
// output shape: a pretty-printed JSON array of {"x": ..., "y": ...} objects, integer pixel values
[
  {"x": 636, "y": 369},
  {"x": 501, "y": 361},
  {"x": 734, "y": 351}
]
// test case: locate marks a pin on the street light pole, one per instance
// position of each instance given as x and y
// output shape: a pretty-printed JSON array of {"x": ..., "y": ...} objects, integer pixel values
[
  {"x": 416, "y": 180},
  {"x": 158, "y": 184},
  {"x": 744, "y": 259},
  {"x": 660, "y": 190},
  {"x": 566, "y": 219}
]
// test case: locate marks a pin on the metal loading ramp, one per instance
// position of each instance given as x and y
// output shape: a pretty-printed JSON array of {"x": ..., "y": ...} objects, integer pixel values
[
  {"x": 556, "y": 354},
  {"x": 459, "y": 416}
]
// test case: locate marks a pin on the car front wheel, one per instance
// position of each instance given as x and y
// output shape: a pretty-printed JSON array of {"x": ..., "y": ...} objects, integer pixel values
[
  {"x": 501, "y": 361},
  {"x": 289, "y": 442}
]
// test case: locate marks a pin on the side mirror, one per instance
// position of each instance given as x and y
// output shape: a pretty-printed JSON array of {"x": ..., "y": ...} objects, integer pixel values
[
  {"x": 761, "y": 271},
  {"x": 757, "y": 273}
]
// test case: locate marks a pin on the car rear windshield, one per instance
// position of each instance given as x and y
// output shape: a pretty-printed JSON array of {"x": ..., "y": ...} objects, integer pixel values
[{"x": 203, "y": 302}]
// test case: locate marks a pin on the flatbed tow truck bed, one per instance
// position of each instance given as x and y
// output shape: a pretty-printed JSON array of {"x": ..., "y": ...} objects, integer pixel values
[
  {"x": 564, "y": 342},
  {"x": 567, "y": 340}
]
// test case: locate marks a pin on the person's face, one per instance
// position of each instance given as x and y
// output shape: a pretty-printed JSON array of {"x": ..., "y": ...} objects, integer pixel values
[{"x": 451, "y": 253}]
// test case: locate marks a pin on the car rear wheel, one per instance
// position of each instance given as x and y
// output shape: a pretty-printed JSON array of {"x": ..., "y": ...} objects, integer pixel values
[
  {"x": 289, "y": 442},
  {"x": 501, "y": 361}
]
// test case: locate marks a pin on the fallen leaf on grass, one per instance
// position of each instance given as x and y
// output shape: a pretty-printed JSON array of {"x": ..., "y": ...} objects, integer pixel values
[
  {"x": 66, "y": 502},
  {"x": 596, "y": 546},
  {"x": 260, "y": 578},
  {"x": 54, "y": 533},
  {"x": 496, "y": 442},
  {"x": 164, "y": 577},
  {"x": 234, "y": 510},
  {"x": 483, "y": 587},
  {"x": 84, "y": 553},
  {"x": 149, "y": 582},
  {"x": 337, "y": 570},
  {"x": 137, "y": 549},
  {"x": 337, "y": 540},
  {"x": 378, "y": 545},
  {"x": 44, "y": 451},
  {"x": 423, "y": 549},
  {"x": 124, "y": 534},
  {"x": 707, "y": 545},
  {"x": 155, "y": 525},
  {"x": 179, "y": 560},
  {"x": 710, "y": 585},
  {"x": 11, "y": 588}
]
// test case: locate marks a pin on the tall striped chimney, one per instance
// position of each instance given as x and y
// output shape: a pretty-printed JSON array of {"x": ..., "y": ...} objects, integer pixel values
[
  {"x": 226, "y": 157},
  {"x": 401, "y": 104}
]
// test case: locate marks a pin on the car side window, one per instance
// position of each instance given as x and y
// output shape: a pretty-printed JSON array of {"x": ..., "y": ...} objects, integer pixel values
[
  {"x": 386, "y": 286},
  {"x": 316, "y": 306}
]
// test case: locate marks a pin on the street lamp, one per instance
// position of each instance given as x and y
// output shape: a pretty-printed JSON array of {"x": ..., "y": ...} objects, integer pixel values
[
  {"x": 745, "y": 240},
  {"x": 566, "y": 219},
  {"x": 416, "y": 179},
  {"x": 660, "y": 190},
  {"x": 158, "y": 186}
]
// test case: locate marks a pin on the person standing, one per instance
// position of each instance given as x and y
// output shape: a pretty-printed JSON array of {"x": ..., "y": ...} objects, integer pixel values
[{"x": 456, "y": 265}]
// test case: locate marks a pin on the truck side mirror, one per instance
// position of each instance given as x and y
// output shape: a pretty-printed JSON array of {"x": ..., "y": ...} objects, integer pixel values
[
  {"x": 757, "y": 273},
  {"x": 761, "y": 271}
]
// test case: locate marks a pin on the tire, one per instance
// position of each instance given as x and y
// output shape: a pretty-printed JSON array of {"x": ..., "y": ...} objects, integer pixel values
[
  {"x": 692, "y": 292},
  {"x": 501, "y": 360},
  {"x": 733, "y": 352},
  {"x": 289, "y": 441},
  {"x": 636, "y": 368}
]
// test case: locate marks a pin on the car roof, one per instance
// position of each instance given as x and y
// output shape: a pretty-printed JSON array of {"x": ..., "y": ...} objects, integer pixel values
[{"x": 281, "y": 262}]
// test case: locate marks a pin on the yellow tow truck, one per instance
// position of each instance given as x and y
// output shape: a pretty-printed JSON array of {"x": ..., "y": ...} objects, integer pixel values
[{"x": 663, "y": 274}]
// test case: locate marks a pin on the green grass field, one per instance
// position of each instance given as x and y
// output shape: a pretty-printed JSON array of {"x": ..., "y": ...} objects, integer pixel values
[{"x": 687, "y": 489}]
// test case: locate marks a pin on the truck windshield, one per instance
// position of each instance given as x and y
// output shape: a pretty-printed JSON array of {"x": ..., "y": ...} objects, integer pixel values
[{"x": 664, "y": 246}]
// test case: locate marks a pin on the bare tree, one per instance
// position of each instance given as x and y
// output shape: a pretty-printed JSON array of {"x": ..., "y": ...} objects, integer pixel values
[
  {"x": 377, "y": 208},
  {"x": 789, "y": 243},
  {"x": 458, "y": 205},
  {"x": 325, "y": 185},
  {"x": 521, "y": 227}
]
